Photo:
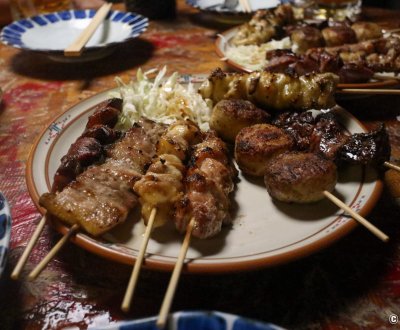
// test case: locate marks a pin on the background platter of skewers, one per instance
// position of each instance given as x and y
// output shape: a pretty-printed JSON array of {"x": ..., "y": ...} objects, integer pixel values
[{"x": 362, "y": 54}]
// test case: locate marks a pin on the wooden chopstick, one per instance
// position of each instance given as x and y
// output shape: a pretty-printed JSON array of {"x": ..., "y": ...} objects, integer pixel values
[
  {"x": 368, "y": 91},
  {"x": 245, "y": 5},
  {"x": 76, "y": 48}
]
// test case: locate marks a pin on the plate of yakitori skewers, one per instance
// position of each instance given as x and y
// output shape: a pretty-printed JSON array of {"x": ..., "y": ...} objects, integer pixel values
[
  {"x": 362, "y": 54},
  {"x": 90, "y": 170}
]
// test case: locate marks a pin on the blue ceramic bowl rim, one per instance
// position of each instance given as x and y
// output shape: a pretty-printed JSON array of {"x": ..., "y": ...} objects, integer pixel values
[
  {"x": 5, "y": 230},
  {"x": 11, "y": 34},
  {"x": 185, "y": 320}
]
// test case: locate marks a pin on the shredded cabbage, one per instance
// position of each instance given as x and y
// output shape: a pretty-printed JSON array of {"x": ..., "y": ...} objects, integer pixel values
[
  {"x": 162, "y": 100},
  {"x": 253, "y": 56}
]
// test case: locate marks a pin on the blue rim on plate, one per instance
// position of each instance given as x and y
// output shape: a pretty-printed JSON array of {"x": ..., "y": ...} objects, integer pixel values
[
  {"x": 5, "y": 231},
  {"x": 195, "y": 320},
  {"x": 122, "y": 26}
]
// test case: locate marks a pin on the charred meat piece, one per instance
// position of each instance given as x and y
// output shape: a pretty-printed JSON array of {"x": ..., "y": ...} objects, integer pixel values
[
  {"x": 300, "y": 177},
  {"x": 256, "y": 145},
  {"x": 230, "y": 116},
  {"x": 105, "y": 113},
  {"x": 367, "y": 148}
]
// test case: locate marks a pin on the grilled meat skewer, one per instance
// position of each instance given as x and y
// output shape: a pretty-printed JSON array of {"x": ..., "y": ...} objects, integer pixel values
[
  {"x": 101, "y": 197},
  {"x": 272, "y": 91}
]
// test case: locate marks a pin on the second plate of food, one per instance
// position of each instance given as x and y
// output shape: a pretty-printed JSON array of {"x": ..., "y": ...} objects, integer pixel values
[{"x": 263, "y": 232}]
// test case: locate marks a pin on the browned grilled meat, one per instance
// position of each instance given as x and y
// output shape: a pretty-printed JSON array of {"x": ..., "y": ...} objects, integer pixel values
[
  {"x": 161, "y": 187},
  {"x": 272, "y": 91},
  {"x": 89, "y": 147},
  {"x": 285, "y": 61},
  {"x": 300, "y": 177},
  {"x": 208, "y": 183},
  {"x": 264, "y": 26},
  {"x": 367, "y": 148},
  {"x": 256, "y": 145},
  {"x": 230, "y": 116},
  {"x": 101, "y": 197}
]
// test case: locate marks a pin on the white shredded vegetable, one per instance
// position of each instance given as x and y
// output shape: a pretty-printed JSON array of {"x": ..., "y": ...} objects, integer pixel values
[
  {"x": 253, "y": 56},
  {"x": 161, "y": 100}
]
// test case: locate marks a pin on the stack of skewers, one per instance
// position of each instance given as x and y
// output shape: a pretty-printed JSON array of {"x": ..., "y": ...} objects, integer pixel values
[{"x": 179, "y": 173}]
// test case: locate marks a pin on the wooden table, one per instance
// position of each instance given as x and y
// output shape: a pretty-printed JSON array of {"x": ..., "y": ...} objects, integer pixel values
[{"x": 352, "y": 284}]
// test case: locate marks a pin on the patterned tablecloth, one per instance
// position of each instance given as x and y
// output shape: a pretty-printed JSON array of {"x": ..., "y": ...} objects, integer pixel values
[{"x": 352, "y": 284}]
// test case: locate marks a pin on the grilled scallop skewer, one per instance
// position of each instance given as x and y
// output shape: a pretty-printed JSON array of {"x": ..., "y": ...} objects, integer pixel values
[
  {"x": 101, "y": 197},
  {"x": 87, "y": 149},
  {"x": 293, "y": 176},
  {"x": 161, "y": 187},
  {"x": 205, "y": 206}
]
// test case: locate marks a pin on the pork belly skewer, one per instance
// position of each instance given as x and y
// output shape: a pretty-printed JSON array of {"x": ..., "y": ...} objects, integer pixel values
[
  {"x": 88, "y": 149},
  {"x": 101, "y": 197},
  {"x": 205, "y": 205},
  {"x": 161, "y": 187}
]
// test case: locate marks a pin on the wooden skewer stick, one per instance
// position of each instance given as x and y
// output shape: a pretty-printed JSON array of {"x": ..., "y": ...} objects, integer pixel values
[
  {"x": 392, "y": 166},
  {"x": 382, "y": 76},
  {"x": 25, "y": 255},
  {"x": 377, "y": 232},
  {"x": 126, "y": 303},
  {"x": 75, "y": 49},
  {"x": 369, "y": 91},
  {"x": 34, "y": 273},
  {"x": 166, "y": 305}
]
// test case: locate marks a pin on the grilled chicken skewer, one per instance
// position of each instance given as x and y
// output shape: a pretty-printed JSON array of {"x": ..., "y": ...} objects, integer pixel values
[
  {"x": 101, "y": 197},
  {"x": 272, "y": 91},
  {"x": 205, "y": 206},
  {"x": 161, "y": 187},
  {"x": 88, "y": 148}
]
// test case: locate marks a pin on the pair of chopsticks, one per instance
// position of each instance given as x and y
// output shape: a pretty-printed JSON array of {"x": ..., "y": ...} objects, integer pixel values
[
  {"x": 76, "y": 48},
  {"x": 246, "y": 6}
]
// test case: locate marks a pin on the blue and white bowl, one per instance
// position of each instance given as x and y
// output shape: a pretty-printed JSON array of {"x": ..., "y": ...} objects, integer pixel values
[
  {"x": 52, "y": 33},
  {"x": 196, "y": 320},
  {"x": 5, "y": 231}
]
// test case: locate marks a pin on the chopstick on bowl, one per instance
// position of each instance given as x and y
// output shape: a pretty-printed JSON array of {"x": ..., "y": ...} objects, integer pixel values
[
  {"x": 169, "y": 295},
  {"x": 126, "y": 303},
  {"x": 76, "y": 48},
  {"x": 246, "y": 6},
  {"x": 369, "y": 91},
  {"x": 25, "y": 255},
  {"x": 37, "y": 270},
  {"x": 374, "y": 230}
]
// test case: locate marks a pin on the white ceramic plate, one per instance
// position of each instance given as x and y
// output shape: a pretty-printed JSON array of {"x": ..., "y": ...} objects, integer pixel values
[
  {"x": 192, "y": 320},
  {"x": 5, "y": 230},
  {"x": 52, "y": 33},
  {"x": 217, "y": 6},
  {"x": 222, "y": 45},
  {"x": 263, "y": 233}
]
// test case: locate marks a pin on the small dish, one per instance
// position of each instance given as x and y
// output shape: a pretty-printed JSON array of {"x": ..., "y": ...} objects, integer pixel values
[
  {"x": 192, "y": 320},
  {"x": 51, "y": 33},
  {"x": 216, "y": 6},
  {"x": 5, "y": 231}
]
